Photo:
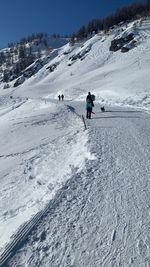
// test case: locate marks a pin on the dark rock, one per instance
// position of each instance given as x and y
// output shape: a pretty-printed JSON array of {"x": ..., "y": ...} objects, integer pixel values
[
  {"x": 19, "y": 81},
  {"x": 52, "y": 67},
  {"x": 6, "y": 86},
  {"x": 117, "y": 44},
  {"x": 124, "y": 49}
]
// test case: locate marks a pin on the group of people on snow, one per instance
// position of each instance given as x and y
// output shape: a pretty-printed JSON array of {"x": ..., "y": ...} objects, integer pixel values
[
  {"x": 89, "y": 104},
  {"x": 61, "y": 97}
]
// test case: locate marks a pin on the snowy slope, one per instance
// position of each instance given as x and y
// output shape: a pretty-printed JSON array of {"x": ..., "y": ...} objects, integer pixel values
[
  {"x": 114, "y": 77},
  {"x": 32, "y": 137},
  {"x": 83, "y": 195},
  {"x": 100, "y": 217}
]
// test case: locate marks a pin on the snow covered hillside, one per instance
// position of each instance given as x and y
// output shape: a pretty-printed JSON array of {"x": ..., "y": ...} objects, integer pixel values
[
  {"x": 30, "y": 53},
  {"x": 70, "y": 196},
  {"x": 114, "y": 77}
]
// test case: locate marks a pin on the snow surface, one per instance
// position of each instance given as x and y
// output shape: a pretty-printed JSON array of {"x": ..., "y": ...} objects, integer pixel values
[{"x": 95, "y": 181}]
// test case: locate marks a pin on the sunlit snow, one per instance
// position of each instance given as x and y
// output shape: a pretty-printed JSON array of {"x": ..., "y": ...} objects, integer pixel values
[{"x": 93, "y": 184}]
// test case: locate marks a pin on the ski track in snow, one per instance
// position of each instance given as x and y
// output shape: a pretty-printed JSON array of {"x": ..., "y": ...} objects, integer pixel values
[
  {"x": 78, "y": 198},
  {"x": 101, "y": 216}
]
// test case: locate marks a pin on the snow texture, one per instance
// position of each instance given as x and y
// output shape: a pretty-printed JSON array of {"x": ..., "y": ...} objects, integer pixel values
[{"x": 75, "y": 197}]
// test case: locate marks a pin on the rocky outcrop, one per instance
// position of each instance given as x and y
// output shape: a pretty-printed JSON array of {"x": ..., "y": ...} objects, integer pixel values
[
  {"x": 19, "y": 81},
  {"x": 81, "y": 55},
  {"x": 120, "y": 43},
  {"x": 6, "y": 86},
  {"x": 34, "y": 68},
  {"x": 124, "y": 49},
  {"x": 52, "y": 67}
]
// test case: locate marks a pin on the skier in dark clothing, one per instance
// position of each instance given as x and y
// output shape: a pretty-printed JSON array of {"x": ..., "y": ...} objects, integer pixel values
[
  {"x": 59, "y": 97},
  {"x": 89, "y": 105},
  {"x": 62, "y": 97}
]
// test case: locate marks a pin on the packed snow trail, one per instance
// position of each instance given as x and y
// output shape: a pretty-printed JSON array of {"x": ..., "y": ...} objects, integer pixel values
[{"x": 101, "y": 216}]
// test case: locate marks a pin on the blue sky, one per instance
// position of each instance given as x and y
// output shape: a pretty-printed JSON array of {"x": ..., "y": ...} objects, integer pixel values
[{"x": 20, "y": 18}]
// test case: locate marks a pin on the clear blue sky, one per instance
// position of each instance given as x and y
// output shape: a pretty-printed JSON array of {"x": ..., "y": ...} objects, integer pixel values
[{"x": 20, "y": 18}]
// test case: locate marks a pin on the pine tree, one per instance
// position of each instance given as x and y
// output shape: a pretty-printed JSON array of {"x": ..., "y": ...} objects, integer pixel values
[
  {"x": 5, "y": 76},
  {"x": 148, "y": 5},
  {"x": 72, "y": 40},
  {"x": 22, "y": 52}
]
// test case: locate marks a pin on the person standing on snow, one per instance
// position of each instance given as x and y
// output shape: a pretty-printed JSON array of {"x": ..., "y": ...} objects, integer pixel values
[
  {"x": 62, "y": 97},
  {"x": 59, "y": 97},
  {"x": 89, "y": 105}
]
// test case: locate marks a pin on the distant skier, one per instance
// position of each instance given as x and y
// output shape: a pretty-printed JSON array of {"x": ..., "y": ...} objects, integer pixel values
[
  {"x": 59, "y": 97},
  {"x": 89, "y": 105},
  {"x": 62, "y": 97}
]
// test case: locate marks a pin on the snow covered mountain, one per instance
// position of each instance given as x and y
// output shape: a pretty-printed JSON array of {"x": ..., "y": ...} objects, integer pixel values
[
  {"x": 19, "y": 56},
  {"x": 70, "y": 196},
  {"x": 92, "y": 65}
]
